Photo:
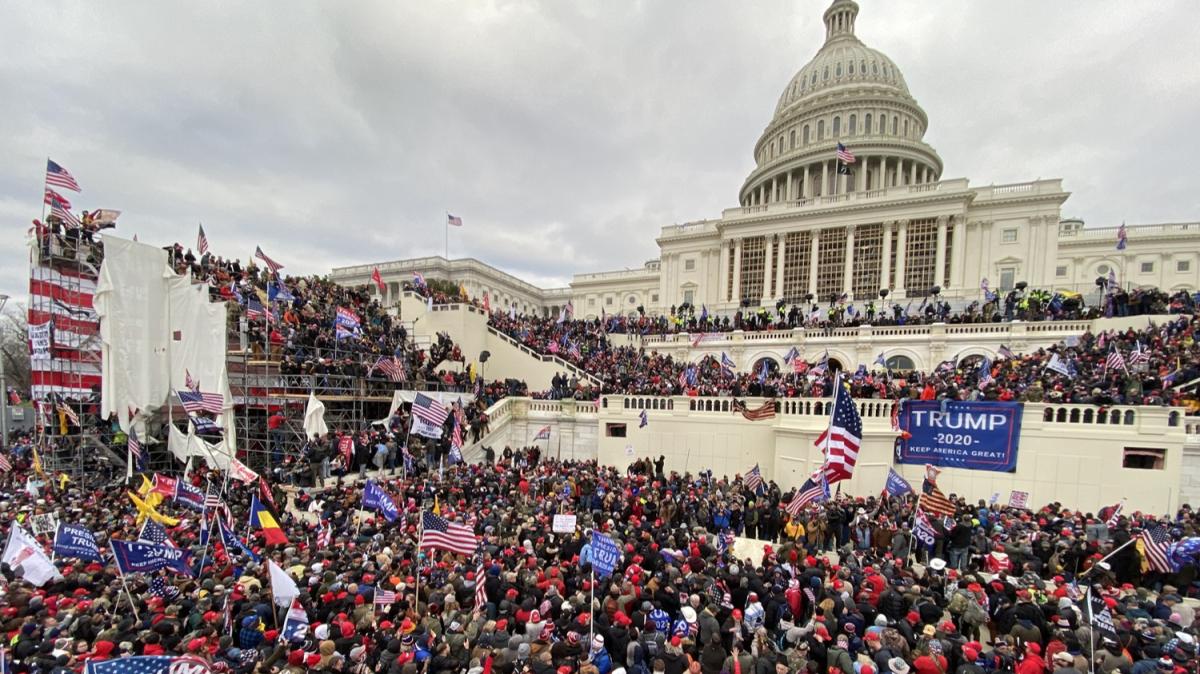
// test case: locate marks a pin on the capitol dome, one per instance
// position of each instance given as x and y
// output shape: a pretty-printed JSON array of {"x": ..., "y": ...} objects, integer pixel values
[{"x": 849, "y": 94}]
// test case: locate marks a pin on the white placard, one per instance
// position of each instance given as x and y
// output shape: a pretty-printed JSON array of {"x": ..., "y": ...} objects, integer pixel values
[{"x": 564, "y": 524}]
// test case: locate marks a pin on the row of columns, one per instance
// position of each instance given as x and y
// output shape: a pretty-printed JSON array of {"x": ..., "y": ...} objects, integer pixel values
[
  {"x": 888, "y": 278},
  {"x": 794, "y": 184}
]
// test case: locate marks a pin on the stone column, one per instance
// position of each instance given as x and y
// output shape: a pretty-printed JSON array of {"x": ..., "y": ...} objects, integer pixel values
[
  {"x": 781, "y": 255},
  {"x": 737, "y": 271},
  {"x": 766, "y": 285},
  {"x": 848, "y": 267},
  {"x": 813, "y": 257},
  {"x": 913, "y": 178},
  {"x": 882, "y": 182},
  {"x": 723, "y": 272},
  {"x": 958, "y": 247},
  {"x": 899, "y": 172},
  {"x": 774, "y": 189},
  {"x": 901, "y": 250},
  {"x": 790, "y": 183},
  {"x": 804, "y": 185},
  {"x": 824, "y": 178},
  {"x": 885, "y": 266},
  {"x": 939, "y": 258},
  {"x": 860, "y": 173}
]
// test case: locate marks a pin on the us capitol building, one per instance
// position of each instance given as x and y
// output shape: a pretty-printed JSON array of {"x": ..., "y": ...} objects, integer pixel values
[{"x": 808, "y": 224}]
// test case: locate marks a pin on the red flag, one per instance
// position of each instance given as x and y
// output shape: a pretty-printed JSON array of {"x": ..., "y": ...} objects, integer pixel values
[
  {"x": 487, "y": 305},
  {"x": 378, "y": 279},
  {"x": 265, "y": 490},
  {"x": 346, "y": 447}
]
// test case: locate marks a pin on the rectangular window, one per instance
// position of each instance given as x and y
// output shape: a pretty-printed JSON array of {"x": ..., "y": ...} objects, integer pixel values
[
  {"x": 868, "y": 250},
  {"x": 1144, "y": 458},
  {"x": 688, "y": 296},
  {"x": 608, "y": 301},
  {"x": 796, "y": 255},
  {"x": 1008, "y": 278},
  {"x": 1183, "y": 265},
  {"x": 591, "y": 301},
  {"x": 831, "y": 261},
  {"x": 920, "y": 256},
  {"x": 1060, "y": 271},
  {"x": 654, "y": 298},
  {"x": 754, "y": 258},
  {"x": 1147, "y": 267},
  {"x": 1008, "y": 235},
  {"x": 689, "y": 264},
  {"x": 614, "y": 430}
]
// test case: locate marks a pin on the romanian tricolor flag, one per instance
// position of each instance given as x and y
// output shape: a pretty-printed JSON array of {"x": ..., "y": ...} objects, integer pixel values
[{"x": 261, "y": 518}]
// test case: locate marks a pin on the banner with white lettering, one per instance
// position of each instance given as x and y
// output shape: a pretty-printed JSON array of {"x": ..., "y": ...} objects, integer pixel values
[{"x": 970, "y": 435}]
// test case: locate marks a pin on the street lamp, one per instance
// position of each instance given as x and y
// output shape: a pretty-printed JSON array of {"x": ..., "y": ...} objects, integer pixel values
[{"x": 3, "y": 387}]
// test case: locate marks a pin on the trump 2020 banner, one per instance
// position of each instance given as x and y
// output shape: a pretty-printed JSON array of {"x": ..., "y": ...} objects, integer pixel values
[{"x": 970, "y": 435}]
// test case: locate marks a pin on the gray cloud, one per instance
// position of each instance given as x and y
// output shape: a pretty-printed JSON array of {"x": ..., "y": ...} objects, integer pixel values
[{"x": 565, "y": 134}]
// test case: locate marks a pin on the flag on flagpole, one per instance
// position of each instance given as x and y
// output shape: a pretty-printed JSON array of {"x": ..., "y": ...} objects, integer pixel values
[
  {"x": 453, "y": 220},
  {"x": 202, "y": 241},
  {"x": 844, "y": 155},
  {"x": 754, "y": 480},
  {"x": 643, "y": 419},
  {"x": 378, "y": 279},
  {"x": 896, "y": 484},
  {"x": 60, "y": 177},
  {"x": 814, "y": 490},
  {"x": 1122, "y": 237},
  {"x": 932, "y": 500},
  {"x": 442, "y": 534},
  {"x": 271, "y": 264},
  {"x": 1153, "y": 545},
  {"x": 542, "y": 434},
  {"x": 841, "y": 441}
]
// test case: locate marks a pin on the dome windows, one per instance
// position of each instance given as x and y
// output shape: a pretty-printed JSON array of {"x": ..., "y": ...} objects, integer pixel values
[
  {"x": 895, "y": 124},
  {"x": 853, "y": 129},
  {"x": 838, "y": 71},
  {"x": 874, "y": 68},
  {"x": 852, "y": 68},
  {"x": 837, "y": 127},
  {"x": 792, "y": 140},
  {"x": 867, "y": 123},
  {"x": 806, "y": 139},
  {"x": 862, "y": 67},
  {"x": 825, "y": 77},
  {"x": 821, "y": 129}
]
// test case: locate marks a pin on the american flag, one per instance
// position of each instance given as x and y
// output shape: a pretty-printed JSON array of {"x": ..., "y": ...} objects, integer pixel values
[
  {"x": 324, "y": 536},
  {"x": 418, "y": 279},
  {"x": 543, "y": 433},
  {"x": 51, "y": 196},
  {"x": 845, "y": 156},
  {"x": 5, "y": 464},
  {"x": 841, "y": 441},
  {"x": 754, "y": 480},
  {"x": 932, "y": 499},
  {"x": 1115, "y": 517},
  {"x": 71, "y": 415},
  {"x": 57, "y": 208},
  {"x": 195, "y": 401},
  {"x": 429, "y": 410},
  {"x": 385, "y": 597},
  {"x": 135, "y": 449},
  {"x": 1139, "y": 354},
  {"x": 142, "y": 664},
  {"x": 573, "y": 351},
  {"x": 271, "y": 264},
  {"x": 814, "y": 490},
  {"x": 1154, "y": 549},
  {"x": 154, "y": 532},
  {"x": 1115, "y": 360},
  {"x": 1122, "y": 237},
  {"x": 392, "y": 368},
  {"x": 480, "y": 590},
  {"x": 202, "y": 241},
  {"x": 160, "y": 588},
  {"x": 1005, "y": 352},
  {"x": 60, "y": 177},
  {"x": 212, "y": 499},
  {"x": 440, "y": 533},
  {"x": 255, "y": 309},
  {"x": 453, "y": 220},
  {"x": 456, "y": 442},
  {"x": 763, "y": 411}
]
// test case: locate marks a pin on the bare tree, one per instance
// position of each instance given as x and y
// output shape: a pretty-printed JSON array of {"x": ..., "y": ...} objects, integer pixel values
[{"x": 14, "y": 347}]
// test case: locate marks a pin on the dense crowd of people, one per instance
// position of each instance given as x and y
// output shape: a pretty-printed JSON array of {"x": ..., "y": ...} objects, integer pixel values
[{"x": 843, "y": 588}]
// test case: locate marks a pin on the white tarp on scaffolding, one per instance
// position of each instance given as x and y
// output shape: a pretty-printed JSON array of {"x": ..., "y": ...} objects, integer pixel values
[
  {"x": 131, "y": 301},
  {"x": 314, "y": 418},
  {"x": 198, "y": 337},
  {"x": 406, "y": 397}
]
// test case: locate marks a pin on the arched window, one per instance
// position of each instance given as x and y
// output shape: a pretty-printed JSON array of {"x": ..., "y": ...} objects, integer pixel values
[
  {"x": 792, "y": 140},
  {"x": 863, "y": 68},
  {"x": 825, "y": 75},
  {"x": 853, "y": 125},
  {"x": 814, "y": 78},
  {"x": 882, "y": 124},
  {"x": 771, "y": 150},
  {"x": 867, "y": 123},
  {"x": 852, "y": 68},
  {"x": 895, "y": 124},
  {"x": 839, "y": 69},
  {"x": 837, "y": 127},
  {"x": 781, "y": 143},
  {"x": 875, "y": 68},
  {"x": 805, "y": 134},
  {"x": 821, "y": 129},
  {"x": 906, "y": 127},
  {"x": 899, "y": 363}
]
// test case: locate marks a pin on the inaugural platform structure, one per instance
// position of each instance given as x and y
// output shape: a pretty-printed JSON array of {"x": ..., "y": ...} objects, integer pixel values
[{"x": 808, "y": 222}]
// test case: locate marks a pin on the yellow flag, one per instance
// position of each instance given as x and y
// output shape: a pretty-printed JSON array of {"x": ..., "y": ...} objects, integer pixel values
[
  {"x": 437, "y": 507},
  {"x": 147, "y": 485},
  {"x": 471, "y": 372},
  {"x": 37, "y": 464},
  {"x": 62, "y": 481},
  {"x": 462, "y": 290},
  {"x": 146, "y": 510}
]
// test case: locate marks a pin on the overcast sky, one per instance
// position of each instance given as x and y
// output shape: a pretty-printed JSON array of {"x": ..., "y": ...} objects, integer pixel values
[{"x": 564, "y": 133}]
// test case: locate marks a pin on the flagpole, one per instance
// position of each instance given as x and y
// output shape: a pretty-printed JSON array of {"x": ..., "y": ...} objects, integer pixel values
[
  {"x": 132, "y": 605},
  {"x": 1091, "y": 631},
  {"x": 446, "y": 227}
]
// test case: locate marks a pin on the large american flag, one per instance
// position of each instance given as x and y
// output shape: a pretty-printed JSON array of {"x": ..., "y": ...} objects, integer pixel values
[
  {"x": 271, "y": 264},
  {"x": 60, "y": 177},
  {"x": 385, "y": 597},
  {"x": 932, "y": 500},
  {"x": 754, "y": 480},
  {"x": 202, "y": 241},
  {"x": 5, "y": 464},
  {"x": 195, "y": 401},
  {"x": 442, "y": 534},
  {"x": 814, "y": 490},
  {"x": 1139, "y": 354},
  {"x": 844, "y": 155},
  {"x": 842, "y": 439},
  {"x": 760, "y": 413},
  {"x": 480, "y": 590},
  {"x": 1154, "y": 549},
  {"x": 145, "y": 664},
  {"x": 57, "y": 208},
  {"x": 255, "y": 309},
  {"x": 429, "y": 410}
]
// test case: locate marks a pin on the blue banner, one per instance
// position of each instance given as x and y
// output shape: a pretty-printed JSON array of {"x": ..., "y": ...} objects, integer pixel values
[
  {"x": 605, "y": 554},
  {"x": 143, "y": 557},
  {"x": 970, "y": 435},
  {"x": 187, "y": 495},
  {"x": 375, "y": 498},
  {"x": 72, "y": 540},
  {"x": 232, "y": 543}
]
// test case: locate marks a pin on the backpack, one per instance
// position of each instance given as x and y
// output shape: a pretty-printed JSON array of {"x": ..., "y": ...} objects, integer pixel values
[
  {"x": 958, "y": 603},
  {"x": 975, "y": 614}
]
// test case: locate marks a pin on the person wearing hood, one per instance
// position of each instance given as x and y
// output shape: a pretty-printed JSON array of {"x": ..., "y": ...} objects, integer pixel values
[{"x": 599, "y": 656}]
